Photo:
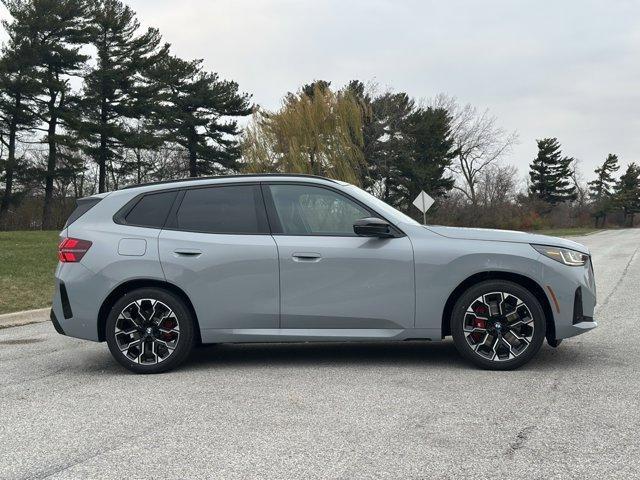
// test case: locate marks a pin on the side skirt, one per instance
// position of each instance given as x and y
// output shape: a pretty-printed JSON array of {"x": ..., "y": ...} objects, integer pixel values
[{"x": 277, "y": 335}]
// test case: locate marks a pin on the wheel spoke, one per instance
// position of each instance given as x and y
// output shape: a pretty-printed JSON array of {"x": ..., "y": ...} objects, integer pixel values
[
  {"x": 153, "y": 351},
  {"x": 169, "y": 330},
  {"x": 523, "y": 338},
  {"x": 136, "y": 318},
  {"x": 127, "y": 331},
  {"x": 126, "y": 347}
]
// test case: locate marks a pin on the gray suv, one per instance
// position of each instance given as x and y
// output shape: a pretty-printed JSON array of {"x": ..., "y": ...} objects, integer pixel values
[{"x": 155, "y": 269}]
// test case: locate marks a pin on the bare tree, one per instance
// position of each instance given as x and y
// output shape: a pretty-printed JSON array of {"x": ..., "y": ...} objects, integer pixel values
[
  {"x": 498, "y": 185},
  {"x": 479, "y": 142},
  {"x": 577, "y": 178}
]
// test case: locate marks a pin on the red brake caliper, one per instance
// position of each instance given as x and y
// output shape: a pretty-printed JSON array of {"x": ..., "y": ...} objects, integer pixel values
[{"x": 479, "y": 323}]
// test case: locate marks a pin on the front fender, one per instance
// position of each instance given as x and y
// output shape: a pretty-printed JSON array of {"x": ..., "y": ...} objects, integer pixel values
[{"x": 442, "y": 264}]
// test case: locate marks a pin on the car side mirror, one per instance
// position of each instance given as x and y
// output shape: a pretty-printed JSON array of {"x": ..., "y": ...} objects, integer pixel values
[{"x": 373, "y": 227}]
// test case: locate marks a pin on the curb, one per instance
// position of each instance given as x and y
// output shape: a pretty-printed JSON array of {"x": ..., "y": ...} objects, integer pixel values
[{"x": 27, "y": 317}]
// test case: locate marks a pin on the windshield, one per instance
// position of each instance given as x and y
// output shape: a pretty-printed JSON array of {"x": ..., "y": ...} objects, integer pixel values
[{"x": 387, "y": 210}]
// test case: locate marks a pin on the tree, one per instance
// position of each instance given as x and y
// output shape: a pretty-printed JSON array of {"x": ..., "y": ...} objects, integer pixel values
[
  {"x": 18, "y": 86},
  {"x": 478, "y": 142},
  {"x": 498, "y": 185},
  {"x": 627, "y": 193},
  {"x": 550, "y": 173},
  {"x": 59, "y": 30},
  {"x": 602, "y": 188},
  {"x": 114, "y": 91},
  {"x": 406, "y": 149},
  {"x": 386, "y": 141},
  {"x": 319, "y": 134},
  {"x": 194, "y": 109},
  {"x": 321, "y": 86},
  {"x": 577, "y": 180},
  {"x": 430, "y": 154}
]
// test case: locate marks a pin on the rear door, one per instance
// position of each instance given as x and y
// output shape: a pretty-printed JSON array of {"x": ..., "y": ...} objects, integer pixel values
[
  {"x": 216, "y": 246},
  {"x": 331, "y": 278}
]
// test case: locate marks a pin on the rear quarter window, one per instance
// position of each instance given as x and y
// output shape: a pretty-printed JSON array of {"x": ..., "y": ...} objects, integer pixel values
[{"x": 151, "y": 210}]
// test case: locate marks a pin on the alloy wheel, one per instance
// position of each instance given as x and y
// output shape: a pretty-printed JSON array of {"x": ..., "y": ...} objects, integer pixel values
[
  {"x": 498, "y": 326},
  {"x": 147, "y": 331}
]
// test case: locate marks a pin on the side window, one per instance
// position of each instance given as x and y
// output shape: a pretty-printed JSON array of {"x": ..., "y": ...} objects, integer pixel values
[
  {"x": 308, "y": 210},
  {"x": 152, "y": 210},
  {"x": 225, "y": 209}
]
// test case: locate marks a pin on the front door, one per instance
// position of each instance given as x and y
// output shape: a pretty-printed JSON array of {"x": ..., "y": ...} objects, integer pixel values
[{"x": 331, "y": 278}]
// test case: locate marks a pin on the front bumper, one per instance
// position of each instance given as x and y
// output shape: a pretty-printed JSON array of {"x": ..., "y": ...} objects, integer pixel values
[{"x": 572, "y": 295}]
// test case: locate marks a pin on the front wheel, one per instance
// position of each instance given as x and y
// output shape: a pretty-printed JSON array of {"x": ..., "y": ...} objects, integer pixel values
[
  {"x": 498, "y": 325},
  {"x": 150, "y": 330}
]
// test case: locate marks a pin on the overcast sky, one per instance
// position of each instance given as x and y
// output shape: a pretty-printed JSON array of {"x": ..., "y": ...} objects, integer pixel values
[{"x": 565, "y": 68}]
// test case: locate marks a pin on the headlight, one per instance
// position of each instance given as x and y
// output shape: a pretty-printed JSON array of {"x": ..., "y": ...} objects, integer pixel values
[{"x": 563, "y": 255}]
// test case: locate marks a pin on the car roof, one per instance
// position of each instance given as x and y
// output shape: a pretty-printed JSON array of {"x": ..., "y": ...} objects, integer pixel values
[{"x": 282, "y": 176}]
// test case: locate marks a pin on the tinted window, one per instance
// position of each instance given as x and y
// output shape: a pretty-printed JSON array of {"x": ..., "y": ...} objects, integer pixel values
[
  {"x": 306, "y": 210},
  {"x": 151, "y": 210},
  {"x": 228, "y": 209},
  {"x": 83, "y": 206}
]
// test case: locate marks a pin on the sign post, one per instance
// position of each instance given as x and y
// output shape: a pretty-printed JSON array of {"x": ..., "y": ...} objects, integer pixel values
[{"x": 423, "y": 202}]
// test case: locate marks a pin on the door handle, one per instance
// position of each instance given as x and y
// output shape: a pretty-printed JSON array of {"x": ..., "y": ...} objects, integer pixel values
[
  {"x": 306, "y": 257},
  {"x": 187, "y": 253}
]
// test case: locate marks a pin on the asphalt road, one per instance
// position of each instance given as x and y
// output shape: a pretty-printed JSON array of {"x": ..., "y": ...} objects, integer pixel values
[{"x": 398, "y": 411}]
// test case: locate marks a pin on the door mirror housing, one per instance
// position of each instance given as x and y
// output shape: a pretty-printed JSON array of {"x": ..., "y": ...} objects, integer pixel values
[{"x": 373, "y": 227}]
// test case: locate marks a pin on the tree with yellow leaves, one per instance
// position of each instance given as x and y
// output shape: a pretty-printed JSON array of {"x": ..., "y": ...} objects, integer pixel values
[{"x": 316, "y": 131}]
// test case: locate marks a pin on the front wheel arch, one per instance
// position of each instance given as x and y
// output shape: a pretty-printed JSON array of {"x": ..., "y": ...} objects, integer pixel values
[
  {"x": 521, "y": 280},
  {"x": 131, "y": 285}
]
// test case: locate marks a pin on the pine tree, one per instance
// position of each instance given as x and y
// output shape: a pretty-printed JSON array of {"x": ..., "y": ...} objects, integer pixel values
[
  {"x": 388, "y": 146},
  {"x": 114, "y": 91},
  {"x": 310, "y": 89},
  {"x": 406, "y": 149},
  {"x": 431, "y": 153},
  {"x": 551, "y": 173},
  {"x": 195, "y": 109},
  {"x": 627, "y": 193},
  {"x": 59, "y": 30},
  {"x": 18, "y": 87},
  {"x": 601, "y": 189}
]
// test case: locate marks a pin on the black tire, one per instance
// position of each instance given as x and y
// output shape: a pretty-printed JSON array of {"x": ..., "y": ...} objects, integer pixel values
[
  {"x": 183, "y": 343},
  {"x": 460, "y": 312}
]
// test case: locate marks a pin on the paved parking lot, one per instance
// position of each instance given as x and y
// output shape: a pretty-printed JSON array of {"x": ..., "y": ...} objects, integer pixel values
[{"x": 398, "y": 411}]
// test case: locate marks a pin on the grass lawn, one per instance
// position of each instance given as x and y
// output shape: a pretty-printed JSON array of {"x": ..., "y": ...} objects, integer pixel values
[
  {"x": 566, "y": 232},
  {"x": 27, "y": 264}
]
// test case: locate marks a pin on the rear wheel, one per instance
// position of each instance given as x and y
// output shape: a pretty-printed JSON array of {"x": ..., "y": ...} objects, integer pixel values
[
  {"x": 150, "y": 330},
  {"x": 498, "y": 325}
]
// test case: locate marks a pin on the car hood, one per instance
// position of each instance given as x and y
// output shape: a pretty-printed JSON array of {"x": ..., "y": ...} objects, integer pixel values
[{"x": 492, "y": 235}]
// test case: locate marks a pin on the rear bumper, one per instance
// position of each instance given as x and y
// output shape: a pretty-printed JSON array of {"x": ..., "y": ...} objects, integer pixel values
[
  {"x": 55, "y": 322},
  {"x": 75, "y": 304}
]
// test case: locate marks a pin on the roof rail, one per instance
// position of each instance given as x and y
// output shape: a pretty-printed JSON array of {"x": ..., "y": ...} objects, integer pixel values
[{"x": 215, "y": 177}]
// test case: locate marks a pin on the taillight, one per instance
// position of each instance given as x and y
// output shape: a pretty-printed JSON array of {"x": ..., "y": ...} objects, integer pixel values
[{"x": 72, "y": 250}]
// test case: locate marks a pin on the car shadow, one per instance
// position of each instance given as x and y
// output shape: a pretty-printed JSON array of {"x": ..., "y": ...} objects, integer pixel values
[
  {"x": 411, "y": 354},
  {"x": 331, "y": 353},
  {"x": 423, "y": 354}
]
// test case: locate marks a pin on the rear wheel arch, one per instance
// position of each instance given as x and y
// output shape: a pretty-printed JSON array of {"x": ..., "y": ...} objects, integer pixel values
[
  {"x": 131, "y": 285},
  {"x": 516, "y": 278}
]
